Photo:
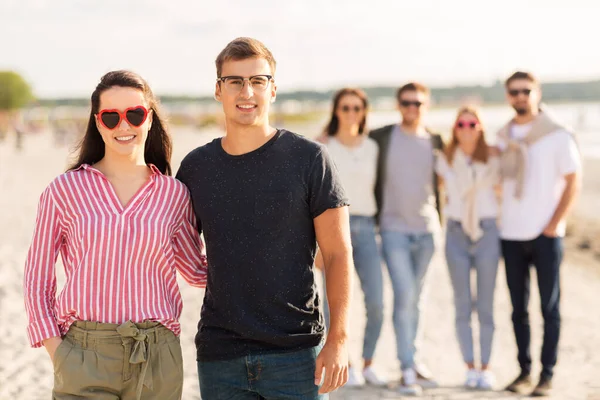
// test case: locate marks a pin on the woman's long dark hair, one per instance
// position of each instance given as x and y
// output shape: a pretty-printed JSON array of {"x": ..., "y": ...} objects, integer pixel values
[
  {"x": 334, "y": 123},
  {"x": 158, "y": 144}
]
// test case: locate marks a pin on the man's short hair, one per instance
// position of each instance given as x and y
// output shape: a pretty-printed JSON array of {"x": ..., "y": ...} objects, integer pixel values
[
  {"x": 412, "y": 87},
  {"x": 241, "y": 49},
  {"x": 519, "y": 75}
]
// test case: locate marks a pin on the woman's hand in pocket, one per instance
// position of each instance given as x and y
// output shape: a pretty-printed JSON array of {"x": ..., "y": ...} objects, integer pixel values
[{"x": 51, "y": 345}]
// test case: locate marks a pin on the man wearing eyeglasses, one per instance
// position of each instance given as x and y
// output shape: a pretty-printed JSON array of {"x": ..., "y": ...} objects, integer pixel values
[
  {"x": 541, "y": 168},
  {"x": 409, "y": 216},
  {"x": 263, "y": 198}
]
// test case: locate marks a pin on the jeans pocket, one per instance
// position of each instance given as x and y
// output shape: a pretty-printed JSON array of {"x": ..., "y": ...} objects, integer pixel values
[
  {"x": 488, "y": 225},
  {"x": 454, "y": 226},
  {"x": 546, "y": 237}
]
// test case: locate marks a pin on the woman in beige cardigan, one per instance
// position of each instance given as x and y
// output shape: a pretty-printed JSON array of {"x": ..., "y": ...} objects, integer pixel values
[{"x": 469, "y": 170}]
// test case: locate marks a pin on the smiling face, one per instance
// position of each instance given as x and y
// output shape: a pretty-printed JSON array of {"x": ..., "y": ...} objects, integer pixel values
[
  {"x": 350, "y": 111},
  {"x": 413, "y": 105},
  {"x": 245, "y": 104},
  {"x": 126, "y": 139},
  {"x": 523, "y": 95},
  {"x": 467, "y": 129}
]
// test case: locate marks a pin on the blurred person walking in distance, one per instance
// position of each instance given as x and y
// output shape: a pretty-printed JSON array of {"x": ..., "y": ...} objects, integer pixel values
[
  {"x": 469, "y": 170},
  {"x": 541, "y": 172},
  {"x": 20, "y": 128},
  {"x": 123, "y": 227},
  {"x": 355, "y": 155},
  {"x": 264, "y": 197},
  {"x": 409, "y": 213}
]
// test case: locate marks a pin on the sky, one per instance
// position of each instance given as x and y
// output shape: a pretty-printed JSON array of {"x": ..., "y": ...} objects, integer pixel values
[{"x": 63, "y": 47}]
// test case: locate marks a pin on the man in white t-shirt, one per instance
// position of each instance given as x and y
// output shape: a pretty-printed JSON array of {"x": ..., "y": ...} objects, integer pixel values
[{"x": 541, "y": 170}]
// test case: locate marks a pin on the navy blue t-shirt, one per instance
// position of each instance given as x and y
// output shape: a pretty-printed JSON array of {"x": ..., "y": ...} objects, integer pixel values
[{"x": 256, "y": 211}]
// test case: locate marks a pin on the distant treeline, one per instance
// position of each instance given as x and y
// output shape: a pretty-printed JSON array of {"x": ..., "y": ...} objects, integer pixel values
[{"x": 552, "y": 92}]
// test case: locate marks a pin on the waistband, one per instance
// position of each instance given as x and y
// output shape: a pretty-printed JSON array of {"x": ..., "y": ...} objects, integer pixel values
[{"x": 143, "y": 336}]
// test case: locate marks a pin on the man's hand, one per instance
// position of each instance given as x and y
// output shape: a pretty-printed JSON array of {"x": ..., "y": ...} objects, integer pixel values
[
  {"x": 51, "y": 345},
  {"x": 334, "y": 359},
  {"x": 572, "y": 187},
  {"x": 551, "y": 230},
  {"x": 333, "y": 236}
]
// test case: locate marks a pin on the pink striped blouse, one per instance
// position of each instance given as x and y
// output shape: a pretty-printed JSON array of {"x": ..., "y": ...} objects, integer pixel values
[{"x": 119, "y": 261}]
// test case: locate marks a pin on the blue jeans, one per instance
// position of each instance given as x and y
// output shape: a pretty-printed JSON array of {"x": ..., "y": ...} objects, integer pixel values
[
  {"x": 407, "y": 257},
  {"x": 367, "y": 262},
  {"x": 546, "y": 254},
  {"x": 280, "y": 376},
  {"x": 463, "y": 255}
]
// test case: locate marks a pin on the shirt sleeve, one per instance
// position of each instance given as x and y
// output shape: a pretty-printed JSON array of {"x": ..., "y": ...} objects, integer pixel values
[
  {"x": 39, "y": 281},
  {"x": 569, "y": 159},
  {"x": 441, "y": 165},
  {"x": 181, "y": 176},
  {"x": 188, "y": 248},
  {"x": 325, "y": 187}
]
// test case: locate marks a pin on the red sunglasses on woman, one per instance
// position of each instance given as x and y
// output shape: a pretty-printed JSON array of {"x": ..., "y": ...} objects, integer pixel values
[
  {"x": 466, "y": 123},
  {"x": 135, "y": 116}
]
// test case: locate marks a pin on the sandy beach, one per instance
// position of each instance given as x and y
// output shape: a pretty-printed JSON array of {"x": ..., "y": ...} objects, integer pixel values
[{"x": 26, "y": 373}]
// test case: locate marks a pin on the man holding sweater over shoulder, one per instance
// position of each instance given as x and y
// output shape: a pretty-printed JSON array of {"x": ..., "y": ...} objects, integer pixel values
[{"x": 541, "y": 171}]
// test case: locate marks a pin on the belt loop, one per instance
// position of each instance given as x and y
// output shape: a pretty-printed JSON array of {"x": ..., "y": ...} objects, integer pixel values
[{"x": 85, "y": 337}]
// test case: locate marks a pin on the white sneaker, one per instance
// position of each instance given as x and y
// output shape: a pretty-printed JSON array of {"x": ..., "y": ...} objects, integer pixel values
[
  {"x": 487, "y": 380},
  {"x": 425, "y": 377},
  {"x": 408, "y": 383},
  {"x": 372, "y": 378},
  {"x": 472, "y": 380},
  {"x": 354, "y": 378}
]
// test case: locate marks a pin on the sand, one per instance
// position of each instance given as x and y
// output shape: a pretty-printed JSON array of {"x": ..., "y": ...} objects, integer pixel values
[{"x": 26, "y": 373}]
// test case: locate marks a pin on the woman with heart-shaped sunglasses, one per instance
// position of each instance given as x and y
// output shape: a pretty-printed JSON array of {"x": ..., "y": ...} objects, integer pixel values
[
  {"x": 123, "y": 228},
  {"x": 469, "y": 170}
]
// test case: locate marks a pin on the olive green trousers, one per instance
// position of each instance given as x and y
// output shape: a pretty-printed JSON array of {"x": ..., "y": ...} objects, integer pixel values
[{"x": 108, "y": 362}]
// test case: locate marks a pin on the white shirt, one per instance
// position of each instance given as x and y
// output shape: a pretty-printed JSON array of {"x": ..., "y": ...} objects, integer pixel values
[
  {"x": 487, "y": 204},
  {"x": 357, "y": 167},
  {"x": 548, "y": 161}
]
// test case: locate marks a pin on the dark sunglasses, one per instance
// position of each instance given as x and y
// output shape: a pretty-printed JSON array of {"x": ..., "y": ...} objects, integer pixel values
[
  {"x": 515, "y": 92},
  {"x": 346, "y": 109},
  {"x": 465, "y": 124},
  {"x": 135, "y": 116},
  {"x": 408, "y": 103}
]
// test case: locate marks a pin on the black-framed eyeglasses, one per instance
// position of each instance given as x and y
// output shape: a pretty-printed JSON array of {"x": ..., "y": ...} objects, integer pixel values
[{"x": 235, "y": 84}]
